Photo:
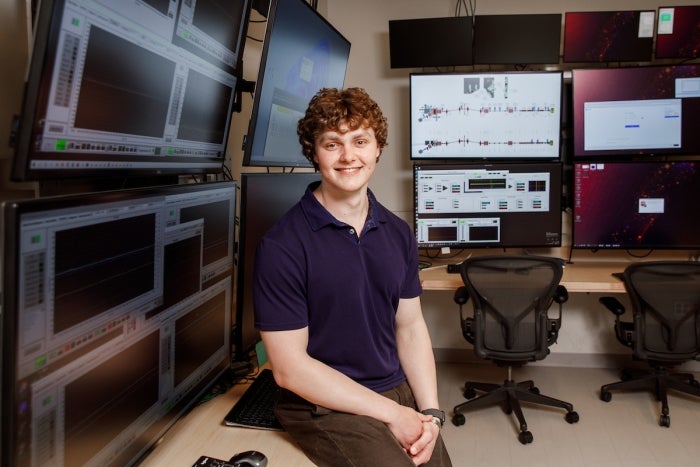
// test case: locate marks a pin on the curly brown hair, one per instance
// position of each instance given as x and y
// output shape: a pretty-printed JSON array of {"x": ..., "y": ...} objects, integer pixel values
[{"x": 332, "y": 108}]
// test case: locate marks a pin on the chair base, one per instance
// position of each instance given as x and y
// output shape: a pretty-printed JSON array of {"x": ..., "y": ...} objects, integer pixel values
[
  {"x": 658, "y": 380},
  {"x": 510, "y": 394}
]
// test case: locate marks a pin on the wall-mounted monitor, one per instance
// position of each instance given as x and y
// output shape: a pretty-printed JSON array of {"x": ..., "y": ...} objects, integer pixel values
[
  {"x": 517, "y": 39},
  {"x": 486, "y": 115},
  {"x": 488, "y": 205},
  {"x": 620, "y": 113},
  {"x": 636, "y": 205},
  {"x": 116, "y": 319},
  {"x": 678, "y": 32},
  {"x": 129, "y": 88},
  {"x": 608, "y": 36},
  {"x": 302, "y": 53},
  {"x": 430, "y": 42},
  {"x": 265, "y": 197}
]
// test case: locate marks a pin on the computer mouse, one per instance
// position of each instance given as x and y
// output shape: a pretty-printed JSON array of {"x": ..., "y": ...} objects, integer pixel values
[{"x": 249, "y": 458}]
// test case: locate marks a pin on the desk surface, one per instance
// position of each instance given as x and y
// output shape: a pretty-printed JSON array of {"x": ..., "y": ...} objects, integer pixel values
[
  {"x": 584, "y": 276},
  {"x": 202, "y": 432}
]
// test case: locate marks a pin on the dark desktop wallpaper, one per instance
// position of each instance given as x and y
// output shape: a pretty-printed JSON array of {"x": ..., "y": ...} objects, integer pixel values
[
  {"x": 684, "y": 42},
  {"x": 604, "y": 36},
  {"x": 609, "y": 199},
  {"x": 635, "y": 83}
]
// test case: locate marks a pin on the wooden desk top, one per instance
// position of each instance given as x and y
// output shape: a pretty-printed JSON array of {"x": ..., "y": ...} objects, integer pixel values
[
  {"x": 202, "y": 432},
  {"x": 581, "y": 276}
]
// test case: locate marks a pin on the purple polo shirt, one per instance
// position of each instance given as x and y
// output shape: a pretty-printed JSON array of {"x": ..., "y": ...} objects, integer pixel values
[{"x": 313, "y": 270}]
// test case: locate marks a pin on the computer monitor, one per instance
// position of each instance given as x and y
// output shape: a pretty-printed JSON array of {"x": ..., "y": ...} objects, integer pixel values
[
  {"x": 608, "y": 36},
  {"x": 488, "y": 205},
  {"x": 116, "y": 319},
  {"x": 486, "y": 115},
  {"x": 517, "y": 39},
  {"x": 636, "y": 205},
  {"x": 621, "y": 113},
  {"x": 430, "y": 42},
  {"x": 265, "y": 197},
  {"x": 302, "y": 53},
  {"x": 678, "y": 32},
  {"x": 118, "y": 89}
]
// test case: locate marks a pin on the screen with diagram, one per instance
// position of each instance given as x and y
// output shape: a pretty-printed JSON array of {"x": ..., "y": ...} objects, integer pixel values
[{"x": 486, "y": 115}]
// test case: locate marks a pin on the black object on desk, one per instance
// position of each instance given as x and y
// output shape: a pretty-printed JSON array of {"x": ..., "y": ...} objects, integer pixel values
[
  {"x": 242, "y": 459},
  {"x": 255, "y": 407}
]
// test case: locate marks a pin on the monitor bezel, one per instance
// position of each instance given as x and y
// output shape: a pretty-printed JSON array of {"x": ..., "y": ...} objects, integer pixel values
[
  {"x": 575, "y": 245},
  {"x": 646, "y": 43},
  {"x": 11, "y": 212},
  {"x": 38, "y": 78},
  {"x": 579, "y": 153},
  {"x": 261, "y": 85},
  {"x": 484, "y": 157},
  {"x": 552, "y": 167}
]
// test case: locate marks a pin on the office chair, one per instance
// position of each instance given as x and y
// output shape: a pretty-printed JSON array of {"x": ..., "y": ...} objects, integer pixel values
[
  {"x": 664, "y": 331},
  {"x": 510, "y": 326}
]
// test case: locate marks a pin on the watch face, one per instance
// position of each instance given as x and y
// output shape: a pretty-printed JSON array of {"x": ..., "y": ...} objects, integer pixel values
[{"x": 439, "y": 414}]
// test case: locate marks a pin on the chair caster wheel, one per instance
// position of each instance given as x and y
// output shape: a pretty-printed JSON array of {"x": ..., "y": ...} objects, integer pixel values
[
  {"x": 571, "y": 417},
  {"x": 534, "y": 390},
  {"x": 605, "y": 396},
  {"x": 665, "y": 420},
  {"x": 525, "y": 437},
  {"x": 469, "y": 393},
  {"x": 458, "y": 419}
]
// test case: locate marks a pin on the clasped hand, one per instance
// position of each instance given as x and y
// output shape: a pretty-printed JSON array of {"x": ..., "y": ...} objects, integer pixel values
[{"x": 416, "y": 432}]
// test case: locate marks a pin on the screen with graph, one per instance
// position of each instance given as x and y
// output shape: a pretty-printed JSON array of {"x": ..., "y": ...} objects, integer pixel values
[
  {"x": 490, "y": 115},
  {"x": 116, "y": 319}
]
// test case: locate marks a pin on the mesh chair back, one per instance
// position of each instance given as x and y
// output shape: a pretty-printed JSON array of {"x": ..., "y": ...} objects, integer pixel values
[
  {"x": 511, "y": 296},
  {"x": 665, "y": 297}
]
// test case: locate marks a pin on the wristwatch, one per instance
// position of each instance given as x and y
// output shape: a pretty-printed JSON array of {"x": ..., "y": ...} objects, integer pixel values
[{"x": 438, "y": 416}]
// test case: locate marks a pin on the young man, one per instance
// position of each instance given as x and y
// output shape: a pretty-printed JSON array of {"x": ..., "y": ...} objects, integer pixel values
[{"x": 336, "y": 297}]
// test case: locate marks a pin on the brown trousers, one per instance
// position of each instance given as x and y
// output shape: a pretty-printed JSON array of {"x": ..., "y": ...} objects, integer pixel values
[{"x": 336, "y": 439}]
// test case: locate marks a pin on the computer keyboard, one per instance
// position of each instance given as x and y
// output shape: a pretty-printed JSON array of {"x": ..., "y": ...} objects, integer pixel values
[{"x": 255, "y": 407}]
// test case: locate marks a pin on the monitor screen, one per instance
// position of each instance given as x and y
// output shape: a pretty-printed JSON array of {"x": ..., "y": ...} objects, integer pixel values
[
  {"x": 486, "y": 115},
  {"x": 678, "y": 32},
  {"x": 430, "y": 42},
  {"x": 130, "y": 88},
  {"x": 488, "y": 205},
  {"x": 636, "y": 111},
  {"x": 517, "y": 39},
  {"x": 655, "y": 205},
  {"x": 116, "y": 319},
  {"x": 265, "y": 197},
  {"x": 302, "y": 53},
  {"x": 608, "y": 36}
]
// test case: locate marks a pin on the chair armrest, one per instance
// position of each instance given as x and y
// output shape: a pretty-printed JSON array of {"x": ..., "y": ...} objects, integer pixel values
[
  {"x": 461, "y": 296},
  {"x": 613, "y": 304},
  {"x": 561, "y": 295}
]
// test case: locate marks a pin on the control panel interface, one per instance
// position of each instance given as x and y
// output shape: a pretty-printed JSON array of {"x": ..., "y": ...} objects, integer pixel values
[
  {"x": 488, "y": 206},
  {"x": 122, "y": 315}
]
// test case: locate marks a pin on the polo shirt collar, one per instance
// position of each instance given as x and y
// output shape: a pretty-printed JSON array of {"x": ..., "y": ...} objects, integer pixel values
[{"x": 319, "y": 217}]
